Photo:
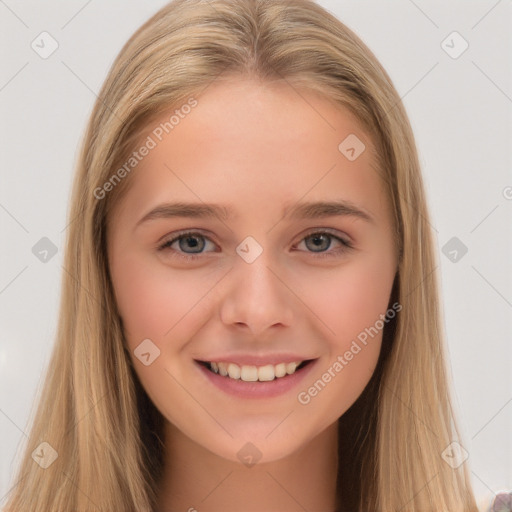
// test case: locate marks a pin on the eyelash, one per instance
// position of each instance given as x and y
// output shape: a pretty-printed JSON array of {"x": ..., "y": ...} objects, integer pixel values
[{"x": 191, "y": 257}]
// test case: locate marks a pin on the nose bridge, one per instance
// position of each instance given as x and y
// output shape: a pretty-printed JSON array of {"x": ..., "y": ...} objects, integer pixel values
[{"x": 256, "y": 295}]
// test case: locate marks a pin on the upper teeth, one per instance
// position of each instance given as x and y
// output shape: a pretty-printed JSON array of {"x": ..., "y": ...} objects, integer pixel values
[{"x": 254, "y": 373}]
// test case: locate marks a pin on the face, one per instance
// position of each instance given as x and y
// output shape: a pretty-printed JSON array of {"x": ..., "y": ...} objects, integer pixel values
[{"x": 262, "y": 282}]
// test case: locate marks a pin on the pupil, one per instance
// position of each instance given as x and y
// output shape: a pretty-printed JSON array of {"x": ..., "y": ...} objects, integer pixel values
[
  {"x": 191, "y": 241},
  {"x": 318, "y": 242}
]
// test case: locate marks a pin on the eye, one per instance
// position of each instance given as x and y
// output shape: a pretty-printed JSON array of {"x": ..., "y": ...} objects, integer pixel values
[
  {"x": 319, "y": 242},
  {"x": 189, "y": 239}
]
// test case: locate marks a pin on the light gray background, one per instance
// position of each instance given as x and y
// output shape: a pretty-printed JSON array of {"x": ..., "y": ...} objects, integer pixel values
[{"x": 461, "y": 112}]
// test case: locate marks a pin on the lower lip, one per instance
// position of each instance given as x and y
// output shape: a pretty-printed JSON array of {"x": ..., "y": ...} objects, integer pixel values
[{"x": 267, "y": 389}]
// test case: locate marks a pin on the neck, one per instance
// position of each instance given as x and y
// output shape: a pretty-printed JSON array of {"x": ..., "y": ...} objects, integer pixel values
[{"x": 197, "y": 480}]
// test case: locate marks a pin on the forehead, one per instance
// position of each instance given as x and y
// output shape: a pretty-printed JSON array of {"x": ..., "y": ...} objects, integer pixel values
[{"x": 256, "y": 147}]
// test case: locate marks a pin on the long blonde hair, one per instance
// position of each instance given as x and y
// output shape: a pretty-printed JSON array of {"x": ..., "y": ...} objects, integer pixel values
[{"x": 93, "y": 411}]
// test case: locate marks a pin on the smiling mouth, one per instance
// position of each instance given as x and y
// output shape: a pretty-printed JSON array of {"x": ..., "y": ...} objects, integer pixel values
[{"x": 249, "y": 373}]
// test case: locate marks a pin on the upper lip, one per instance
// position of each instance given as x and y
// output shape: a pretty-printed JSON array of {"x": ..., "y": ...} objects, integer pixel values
[{"x": 253, "y": 360}]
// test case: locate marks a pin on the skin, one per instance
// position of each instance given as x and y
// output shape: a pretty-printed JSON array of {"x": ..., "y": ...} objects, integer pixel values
[{"x": 253, "y": 147}]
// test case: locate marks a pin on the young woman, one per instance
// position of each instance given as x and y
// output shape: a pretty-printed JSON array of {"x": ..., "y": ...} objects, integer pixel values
[{"x": 250, "y": 316}]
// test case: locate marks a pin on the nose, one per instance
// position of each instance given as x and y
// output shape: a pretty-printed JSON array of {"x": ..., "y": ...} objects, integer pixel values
[{"x": 256, "y": 297}]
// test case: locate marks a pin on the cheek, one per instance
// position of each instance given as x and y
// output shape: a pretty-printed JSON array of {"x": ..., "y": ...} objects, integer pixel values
[
  {"x": 349, "y": 298},
  {"x": 349, "y": 303},
  {"x": 158, "y": 304},
  {"x": 152, "y": 298}
]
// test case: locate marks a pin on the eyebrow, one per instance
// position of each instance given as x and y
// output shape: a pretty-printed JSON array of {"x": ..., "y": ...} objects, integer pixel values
[{"x": 304, "y": 210}]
